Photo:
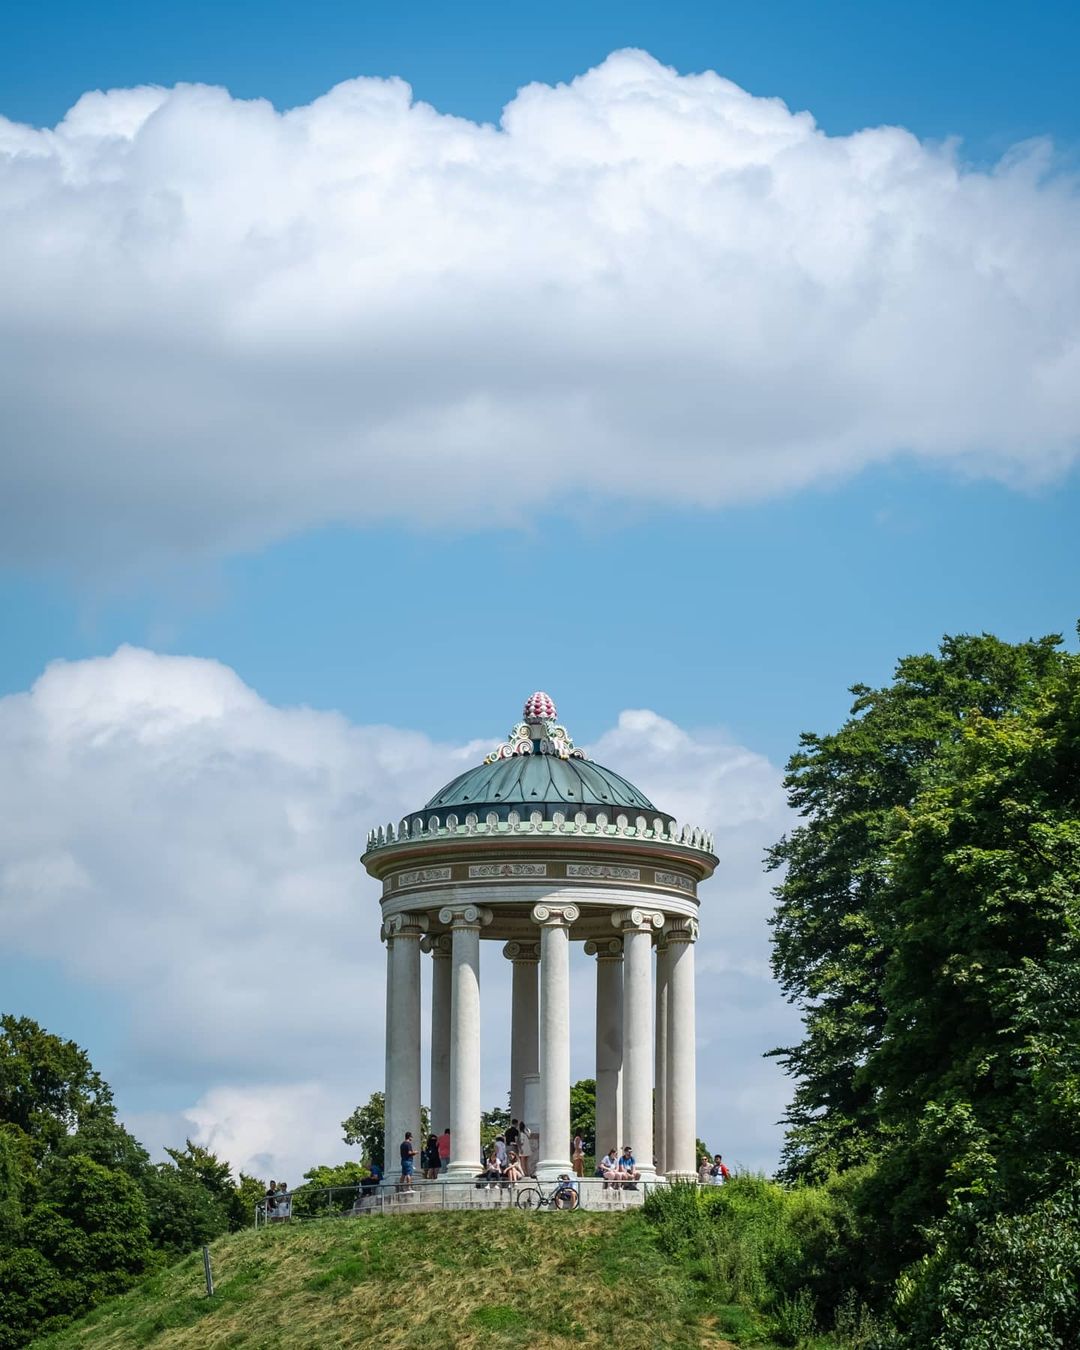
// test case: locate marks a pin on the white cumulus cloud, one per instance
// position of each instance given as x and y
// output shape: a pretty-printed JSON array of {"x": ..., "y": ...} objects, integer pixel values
[
  {"x": 220, "y": 322},
  {"x": 171, "y": 839}
]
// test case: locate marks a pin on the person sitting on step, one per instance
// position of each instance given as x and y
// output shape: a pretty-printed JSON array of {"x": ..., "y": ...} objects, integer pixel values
[
  {"x": 609, "y": 1168},
  {"x": 628, "y": 1171}
]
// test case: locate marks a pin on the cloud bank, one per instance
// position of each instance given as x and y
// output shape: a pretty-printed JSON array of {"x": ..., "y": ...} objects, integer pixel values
[
  {"x": 170, "y": 839},
  {"x": 220, "y": 323}
]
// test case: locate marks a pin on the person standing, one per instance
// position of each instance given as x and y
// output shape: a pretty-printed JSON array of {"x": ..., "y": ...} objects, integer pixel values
[
  {"x": 525, "y": 1148},
  {"x": 444, "y": 1149},
  {"x": 719, "y": 1172},
  {"x": 429, "y": 1158},
  {"x": 408, "y": 1156},
  {"x": 577, "y": 1155}
]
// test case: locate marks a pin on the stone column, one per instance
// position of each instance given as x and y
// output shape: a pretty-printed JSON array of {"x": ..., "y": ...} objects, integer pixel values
[
  {"x": 402, "y": 1105},
  {"x": 638, "y": 926},
  {"x": 524, "y": 1021},
  {"x": 682, "y": 1059},
  {"x": 609, "y": 1045},
  {"x": 441, "y": 984},
  {"x": 660, "y": 1038},
  {"x": 554, "y": 921},
  {"x": 466, "y": 921}
]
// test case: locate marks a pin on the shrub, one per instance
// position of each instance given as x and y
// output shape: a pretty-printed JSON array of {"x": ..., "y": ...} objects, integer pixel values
[
  {"x": 998, "y": 1280},
  {"x": 761, "y": 1244}
]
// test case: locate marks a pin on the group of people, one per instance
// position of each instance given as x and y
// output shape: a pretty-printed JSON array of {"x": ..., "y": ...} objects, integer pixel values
[
  {"x": 278, "y": 1201},
  {"x": 619, "y": 1169},
  {"x": 713, "y": 1173},
  {"x": 510, "y": 1157}
]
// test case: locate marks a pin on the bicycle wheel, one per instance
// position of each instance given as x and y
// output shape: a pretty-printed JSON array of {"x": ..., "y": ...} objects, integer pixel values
[{"x": 529, "y": 1198}]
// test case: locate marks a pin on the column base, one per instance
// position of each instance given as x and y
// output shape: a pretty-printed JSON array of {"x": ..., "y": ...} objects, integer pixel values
[
  {"x": 682, "y": 1176},
  {"x": 551, "y": 1169},
  {"x": 461, "y": 1171}
]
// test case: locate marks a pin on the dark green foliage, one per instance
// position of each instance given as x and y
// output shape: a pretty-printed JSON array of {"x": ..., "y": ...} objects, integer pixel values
[
  {"x": 929, "y": 925},
  {"x": 832, "y": 926},
  {"x": 492, "y": 1123},
  {"x": 83, "y": 1211},
  {"x": 365, "y": 1127},
  {"x": 85, "y": 1238},
  {"x": 1007, "y": 1280},
  {"x": 342, "y": 1181},
  {"x": 583, "y": 1115},
  {"x": 48, "y": 1087}
]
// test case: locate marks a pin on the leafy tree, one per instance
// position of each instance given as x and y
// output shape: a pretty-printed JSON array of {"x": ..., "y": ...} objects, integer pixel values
[
  {"x": 832, "y": 925},
  {"x": 341, "y": 1180},
  {"x": 86, "y": 1237},
  {"x": 1003, "y": 1280},
  {"x": 977, "y": 1072},
  {"x": 198, "y": 1167},
  {"x": 365, "y": 1127},
  {"x": 493, "y": 1123},
  {"x": 82, "y": 1208},
  {"x": 182, "y": 1215},
  {"x": 583, "y": 1113},
  {"x": 48, "y": 1087},
  {"x": 13, "y": 1172}
]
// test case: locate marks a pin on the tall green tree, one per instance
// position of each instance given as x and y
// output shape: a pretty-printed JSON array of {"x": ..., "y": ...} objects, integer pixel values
[
  {"x": 83, "y": 1210},
  {"x": 583, "y": 1113},
  {"x": 977, "y": 1070},
  {"x": 48, "y": 1087},
  {"x": 832, "y": 928}
]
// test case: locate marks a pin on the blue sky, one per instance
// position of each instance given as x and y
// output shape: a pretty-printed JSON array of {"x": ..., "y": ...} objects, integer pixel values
[{"x": 410, "y": 496}]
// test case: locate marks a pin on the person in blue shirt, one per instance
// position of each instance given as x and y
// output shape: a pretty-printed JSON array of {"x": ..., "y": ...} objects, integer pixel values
[
  {"x": 370, "y": 1184},
  {"x": 627, "y": 1165},
  {"x": 408, "y": 1153}
]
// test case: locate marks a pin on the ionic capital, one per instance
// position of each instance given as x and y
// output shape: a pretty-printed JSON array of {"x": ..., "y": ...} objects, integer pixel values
[
  {"x": 438, "y": 944},
  {"x": 522, "y": 953},
  {"x": 464, "y": 916},
  {"x": 404, "y": 926},
  {"x": 681, "y": 930},
  {"x": 555, "y": 916},
  {"x": 607, "y": 949},
  {"x": 638, "y": 920}
]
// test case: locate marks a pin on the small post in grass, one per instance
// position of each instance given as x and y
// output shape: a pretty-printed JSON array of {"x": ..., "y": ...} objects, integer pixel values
[{"x": 208, "y": 1272}]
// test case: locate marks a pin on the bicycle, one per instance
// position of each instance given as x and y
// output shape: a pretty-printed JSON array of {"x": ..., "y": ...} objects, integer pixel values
[{"x": 561, "y": 1196}]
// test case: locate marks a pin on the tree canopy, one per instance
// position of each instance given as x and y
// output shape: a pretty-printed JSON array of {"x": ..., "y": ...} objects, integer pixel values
[
  {"x": 83, "y": 1210},
  {"x": 928, "y": 925}
]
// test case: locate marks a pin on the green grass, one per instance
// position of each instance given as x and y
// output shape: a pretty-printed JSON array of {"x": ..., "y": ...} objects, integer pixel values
[{"x": 426, "y": 1280}]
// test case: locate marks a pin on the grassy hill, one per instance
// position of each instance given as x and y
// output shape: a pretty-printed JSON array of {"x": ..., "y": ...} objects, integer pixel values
[{"x": 462, "y": 1280}]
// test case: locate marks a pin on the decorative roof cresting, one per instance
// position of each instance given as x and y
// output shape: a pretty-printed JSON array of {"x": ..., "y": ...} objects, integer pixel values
[{"x": 538, "y": 734}]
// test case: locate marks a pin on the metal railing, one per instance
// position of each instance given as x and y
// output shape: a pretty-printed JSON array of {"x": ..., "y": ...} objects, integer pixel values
[{"x": 356, "y": 1201}]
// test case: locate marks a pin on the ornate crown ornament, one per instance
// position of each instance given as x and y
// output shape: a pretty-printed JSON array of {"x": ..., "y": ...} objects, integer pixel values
[{"x": 539, "y": 733}]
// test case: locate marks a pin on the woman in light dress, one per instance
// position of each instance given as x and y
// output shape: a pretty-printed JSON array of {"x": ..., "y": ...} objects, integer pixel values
[{"x": 525, "y": 1149}]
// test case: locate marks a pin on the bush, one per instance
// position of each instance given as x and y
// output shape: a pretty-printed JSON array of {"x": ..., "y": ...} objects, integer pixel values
[
  {"x": 787, "y": 1251},
  {"x": 998, "y": 1280}
]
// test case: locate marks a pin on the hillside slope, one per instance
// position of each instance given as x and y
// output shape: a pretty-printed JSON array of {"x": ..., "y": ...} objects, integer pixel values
[{"x": 462, "y": 1280}]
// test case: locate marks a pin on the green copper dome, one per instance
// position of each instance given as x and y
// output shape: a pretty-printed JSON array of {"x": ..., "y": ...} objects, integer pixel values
[{"x": 539, "y": 780}]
